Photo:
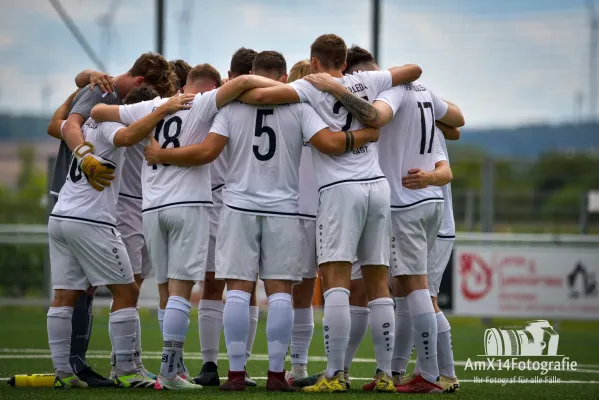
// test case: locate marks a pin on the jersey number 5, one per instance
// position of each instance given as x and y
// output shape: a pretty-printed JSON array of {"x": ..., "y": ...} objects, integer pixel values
[
  {"x": 337, "y": 108},
  {"x": 422, "y": 106},
  {"x": 272, "y": 137},
  {"x": 164, "y": 127}
]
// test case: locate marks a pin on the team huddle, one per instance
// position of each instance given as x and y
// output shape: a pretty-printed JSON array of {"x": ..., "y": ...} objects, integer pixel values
[{"x": 338, "y": 167}]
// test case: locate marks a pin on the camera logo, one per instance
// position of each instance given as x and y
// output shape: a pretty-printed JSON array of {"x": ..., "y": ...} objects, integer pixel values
[{"x": 536, "y": 338}]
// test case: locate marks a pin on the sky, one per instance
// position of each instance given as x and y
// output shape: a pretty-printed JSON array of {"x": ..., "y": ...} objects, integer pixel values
[{"x": 505, "y": 63}]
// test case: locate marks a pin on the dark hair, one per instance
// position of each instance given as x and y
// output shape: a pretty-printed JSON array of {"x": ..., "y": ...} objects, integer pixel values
[
  {"x": 156, "y": 72},
  {"x": 357, "y": 56},
  {"x": 241, "y": 62},
  {"x": 270, "y": 61},
  {"x": 205, "y": 71},
  {"x": 181, "y": 69},
  {"x": 142, "y": 93},
  {"x": 330, "y": 50}
]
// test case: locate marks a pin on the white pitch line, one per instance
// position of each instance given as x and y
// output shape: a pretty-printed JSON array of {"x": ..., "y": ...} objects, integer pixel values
[
  {"x": 45, "y": 353},
  {"x": 263, "y": 378}
]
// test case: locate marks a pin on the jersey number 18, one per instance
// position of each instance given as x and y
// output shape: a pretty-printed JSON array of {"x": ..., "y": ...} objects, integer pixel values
[{"x": 164, "y": 128}]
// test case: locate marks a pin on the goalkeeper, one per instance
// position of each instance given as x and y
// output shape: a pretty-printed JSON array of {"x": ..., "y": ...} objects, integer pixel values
[{"x": 97, "y": 88}]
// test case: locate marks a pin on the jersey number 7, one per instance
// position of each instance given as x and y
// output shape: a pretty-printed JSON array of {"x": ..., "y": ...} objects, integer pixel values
[
  {"x": 164, "y": 128},
  {"x": 422, "y": 106},
  {"x": 337, "y": 108}
]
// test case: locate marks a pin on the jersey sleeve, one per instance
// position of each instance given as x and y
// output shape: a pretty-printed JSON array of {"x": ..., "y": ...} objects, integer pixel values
[
  {"x": 310, "y": 121},
  {"x": 438, "y": 153},
  {"x": 303, "y": 89},
  {"x": 379, "y": 80},
  {"x": 439, "y": 106},
  {"x": 204, "y": 106},
  {"x": 88, "y": 100},
  {"x": 132, "y": 112},
  {"x": 393, "y": 97},
  {"x": 108, "y": 130},
  {"x": 220, "y": 125}
]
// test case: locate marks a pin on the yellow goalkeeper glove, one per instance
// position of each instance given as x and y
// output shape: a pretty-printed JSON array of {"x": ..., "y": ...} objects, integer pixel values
[{"x": 98, "y": 171}]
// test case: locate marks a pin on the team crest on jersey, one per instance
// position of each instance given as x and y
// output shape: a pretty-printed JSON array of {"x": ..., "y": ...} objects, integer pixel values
[
  {"x": 92, "y": 124},
  {"x": 306, "y": 144}
]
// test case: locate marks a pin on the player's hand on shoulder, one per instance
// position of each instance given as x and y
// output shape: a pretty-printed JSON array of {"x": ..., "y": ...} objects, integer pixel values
[
  {"x": 321, "y": 81},
  {"x": 416, "y": 179},
  {"x": 151, "y": 151},
  {"x": 104, "y": 81},
  {"x": 176, "y": 103}
]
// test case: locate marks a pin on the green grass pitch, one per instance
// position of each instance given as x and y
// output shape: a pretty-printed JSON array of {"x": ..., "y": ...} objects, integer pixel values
[{"x": 24, "y": 349}]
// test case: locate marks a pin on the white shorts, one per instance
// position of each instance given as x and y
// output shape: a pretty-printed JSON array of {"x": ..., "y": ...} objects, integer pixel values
[
  {"x": 214, "y": 215},
  {"x": 354, "y": 223},
  {"x": 84, "y": 254},
  {"x": 414, "y": 233},
  {"x": 129, "y": 224},
  {"x": 356, "y": 271},
  {"x": 177, "y": 240},
  {"x": 438, "y": 258},
  {"x": 249, "y": 245},
  {"x": 309, "y": 264}
]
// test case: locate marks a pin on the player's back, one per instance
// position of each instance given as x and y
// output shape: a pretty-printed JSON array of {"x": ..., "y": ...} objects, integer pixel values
[
  {"x": 78, "y": 200},
  {"x": 360, "y": 164},
  {"x": 166, "y": 186},
  {"x": 264, "y": 150},
  {"x": 410, "y": 141}
]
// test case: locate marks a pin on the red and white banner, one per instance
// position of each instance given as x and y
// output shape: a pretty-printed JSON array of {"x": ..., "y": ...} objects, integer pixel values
[{"x": 526, "y": 281}]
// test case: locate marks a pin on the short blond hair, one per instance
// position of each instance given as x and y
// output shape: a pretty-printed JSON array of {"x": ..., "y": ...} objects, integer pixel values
[{"x": 299, "y": 70}]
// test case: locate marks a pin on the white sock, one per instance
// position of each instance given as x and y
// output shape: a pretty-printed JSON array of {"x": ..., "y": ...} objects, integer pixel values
[
  {"x": 254, "y": 314},
  {"x": 122, "y": 328},
  {"x": 444, "y": 349},
  {"x": 336, "y": 324},
  {"x": 210, "y": 323},
  {"x": 404, "y": 344},
  {"x": 137, "y": 355},
  {"x": 176, "y": 321},
  {"x": 301, "y": 336},
  {"x": 382, "y": 329},
  {"x": 359, "y": 325},
  {"x": 424, "y": 330},
  {"x": 416, "y": 368},
  {"x": 161, "y": 319},
  {"x": 236, "y": 322},
  {"x": 278, "y": 329},
  {"x": 181, "y": 368},
  {"x": 59, "y": 324}
]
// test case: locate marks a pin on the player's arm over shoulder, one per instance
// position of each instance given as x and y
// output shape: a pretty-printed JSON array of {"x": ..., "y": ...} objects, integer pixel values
[
  {"x": 405, "y": 74},
  {"x": 324, "y": 140},
  {"x": 278, "y": 94}
]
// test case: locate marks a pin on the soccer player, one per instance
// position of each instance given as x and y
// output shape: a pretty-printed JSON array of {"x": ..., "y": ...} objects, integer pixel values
[
  {"x": 303, "y": 293},
  {"x": 259, "y": 226},
  {"x": 438, "y": 258},
  {"x": 210, "y": 310},
  {"x": 414, "y": 163},
  {"x": 86, "y": 249},
  {"x": 175, "y": 220},
  {"x": 181, "y": 70},
  {"x": 353, "y": 218},
  {"x": 150, "y": 68}
]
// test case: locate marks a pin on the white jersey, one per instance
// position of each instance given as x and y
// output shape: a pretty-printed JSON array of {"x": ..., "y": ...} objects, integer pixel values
[
  {"x": 447, "y": 229},
  {"x": 166, "y": 186},
  {"x": 264, "y": 149},
  {"x": 218, "y": 170},
  {"x": 361, "y": 165},
  {"x": 308, "y": 189},
  {"x": 131, "y": 181},
  {"x": 78, "y": 201},
  {"x": 411, "y": 140}
]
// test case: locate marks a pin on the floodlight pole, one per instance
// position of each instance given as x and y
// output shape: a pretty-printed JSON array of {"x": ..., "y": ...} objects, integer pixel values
[
  {"x": 376, "y": 28},
  {"x": 160, "y": 26}
]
